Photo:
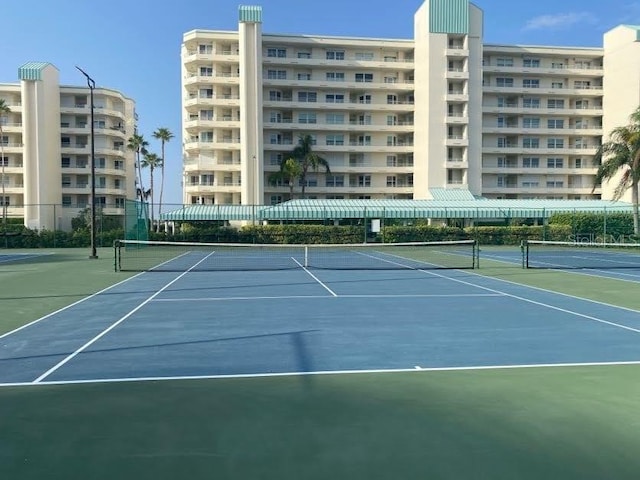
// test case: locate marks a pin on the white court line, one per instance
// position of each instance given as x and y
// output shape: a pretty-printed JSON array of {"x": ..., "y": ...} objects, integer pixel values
[
  {"x": 415, "y": 369},
  {"x": 12, "y": 256},
  {"x": 79, "y": 301},
  {"x": 315, "y": 278},
  {"x": 114, "y": 325},
  {"x": 527, "y": 300},
  {"x": 293, "y": 297},
  {"x": 68, "y": 306}
]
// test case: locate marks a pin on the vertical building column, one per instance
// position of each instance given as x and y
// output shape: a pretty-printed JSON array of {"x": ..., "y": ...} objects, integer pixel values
[
  {"x": 448, "y": 96},
  {"x": 41, "y": 139},
  {"x": 251, "y": 146}
]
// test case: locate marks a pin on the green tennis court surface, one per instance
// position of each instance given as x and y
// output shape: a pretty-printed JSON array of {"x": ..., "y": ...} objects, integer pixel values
[{"x": 456, "y": 416}]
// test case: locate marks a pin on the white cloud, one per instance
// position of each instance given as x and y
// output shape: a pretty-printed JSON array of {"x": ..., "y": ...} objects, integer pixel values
[{"x": 560, "y": 20}]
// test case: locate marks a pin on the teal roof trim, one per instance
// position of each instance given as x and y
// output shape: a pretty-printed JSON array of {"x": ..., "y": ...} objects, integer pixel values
[
  {"x": 32, "y": 70},
  {"x": 250, "y": 13},
  {"x": 449, "y": 16}
]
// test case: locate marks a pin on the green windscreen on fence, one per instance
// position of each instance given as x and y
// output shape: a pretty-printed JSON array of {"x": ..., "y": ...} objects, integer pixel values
[{"x": 136, "y": 220}]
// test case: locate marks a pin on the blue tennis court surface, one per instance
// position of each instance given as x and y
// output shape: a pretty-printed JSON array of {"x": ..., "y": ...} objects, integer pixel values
[{"x": 213, "y": 323}]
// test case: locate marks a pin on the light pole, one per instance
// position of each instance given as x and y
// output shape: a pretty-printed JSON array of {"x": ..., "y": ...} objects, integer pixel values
[{"x": 92, "y": 85}]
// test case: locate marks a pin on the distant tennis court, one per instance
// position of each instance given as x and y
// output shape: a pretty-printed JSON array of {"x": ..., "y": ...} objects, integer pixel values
[{"x": 9, "y": 257}]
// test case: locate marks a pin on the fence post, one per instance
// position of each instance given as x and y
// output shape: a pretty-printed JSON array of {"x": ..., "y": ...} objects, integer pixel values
[{"x": 604, "y": 225}]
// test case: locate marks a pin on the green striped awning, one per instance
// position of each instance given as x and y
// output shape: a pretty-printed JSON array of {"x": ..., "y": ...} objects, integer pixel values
[{"x": 402, "y": 209}]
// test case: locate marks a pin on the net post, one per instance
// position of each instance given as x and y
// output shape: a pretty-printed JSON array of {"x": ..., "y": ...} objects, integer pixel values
[
  {"x": 476, "y": 254},
  {"x": 116, "y": 243}
]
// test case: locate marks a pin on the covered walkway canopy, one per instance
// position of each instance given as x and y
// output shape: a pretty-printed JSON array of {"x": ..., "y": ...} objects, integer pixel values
[{"x": 472, "y": 208}]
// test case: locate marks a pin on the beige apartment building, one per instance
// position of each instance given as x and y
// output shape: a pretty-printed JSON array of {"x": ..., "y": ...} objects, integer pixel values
[
  {"x": 46, "y": 149},
  {"x": 395, "y": 118}
]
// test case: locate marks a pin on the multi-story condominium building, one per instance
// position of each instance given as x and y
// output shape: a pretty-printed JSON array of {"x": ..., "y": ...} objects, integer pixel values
[
  {"x": 394, "y": 117},
  {"x": 46, "y": 146}
]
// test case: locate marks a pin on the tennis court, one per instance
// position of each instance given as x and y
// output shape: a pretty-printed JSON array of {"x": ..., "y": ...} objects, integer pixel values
[
  {"x": 19, "y": 257},
  {"x": 189, "y": 317}
]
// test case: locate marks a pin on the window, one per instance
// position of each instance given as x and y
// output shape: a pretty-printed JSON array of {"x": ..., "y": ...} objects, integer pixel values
[
  {"x": 335, "y": 181},
  {"x": 275, "y": 96},
  {"x": 119, "y": 202},
  {"x": 117, "y": 184},
  {"x": 335, "y": 55},
  {"x": 392, "y": 161},
  {"x": 304, "y": 76},
  {"x": 334, "y": 98},
  {"x": 531, "y": 83},
  {"x": 304, "y": 54},
  {"x": 529, "y": 142},
  {"x": 579, "y": 163},
  {"x": 530, "y": 184},
  {"x": 392, "y": 120},
  {"x": 554, "y": 163},
  {"x": 335, "y": 139},
  {"x": 529, "y": 102},
  {"x": 555, "y": 103},
  {"x": 504, "y": 62},
  {"x": 582, "y": 104},
  {"x": 335, "y": 118},
  {"x": 555, "y": 184},
  {"x": 504, "y": 82},
  {"x": 364, "y": 55},
  {"x": 275, "y": 158},
  {"x": 101, "y": 162},
  {"x": 531, "y": 62},
  {"x": 530, "y": 162},
  {"x": 66, "y": 181},
  {"x": 309, "y": 97},
  {"x": 206, "y": 71},
  {"x": 392, "y": 99},
  {"x": 555, "y": 123},
  {"x": 364, "y": 99},
  {"x": 557, "y": 85},
  {"x": 503, "y": 143},
  {"x": 307, "y": 117},
  {"x": 391, "y": 180},
  {"x": 275, "y": 199},
  {"x": 555, "y": 143},
  {"x": 364, "y": 180},
  {"x": 582, "y": 84},
  {"x": 277, "y": 74},
  {"x": 557, "y": 65},
  {"x": 204, "y": 49},
  {"x": 364, "y": 77},
  {"x": 66, "y": 162},
  {"x": 4, "y": 161},
  {"x": 530, "y": 122},
  {"x": 335, "y": 76},
  {"x": 277, "y": 52}
]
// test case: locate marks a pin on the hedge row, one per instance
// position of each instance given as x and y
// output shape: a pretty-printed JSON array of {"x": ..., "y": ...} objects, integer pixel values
[
  {"x": 27, "y": 238},
  {"x": 309, "y": 234}
]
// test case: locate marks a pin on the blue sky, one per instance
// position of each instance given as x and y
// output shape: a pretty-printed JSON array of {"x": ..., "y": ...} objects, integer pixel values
[{"x": 134, "y": 45}]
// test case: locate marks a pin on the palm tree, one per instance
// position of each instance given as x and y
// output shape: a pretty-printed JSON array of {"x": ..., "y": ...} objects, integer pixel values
[
  {"x": 4, "y": 110},
  {"x": 164, "y": 135},
  {"x": 309, "y": 160},
  {"x": 622, "y": 153},
  {"x": 151, "y": 161},
  {"x": 289, "y": 171},
  {"x": 139, "y": 145}
]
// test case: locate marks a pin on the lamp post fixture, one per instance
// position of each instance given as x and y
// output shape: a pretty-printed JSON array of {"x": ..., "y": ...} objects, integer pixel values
[{"x": 92, "y": 85}]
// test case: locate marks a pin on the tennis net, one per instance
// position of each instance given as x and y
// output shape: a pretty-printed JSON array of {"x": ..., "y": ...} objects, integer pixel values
[
  {"x": 568, "y": 255},
  {"x": 137, "y": 255}
]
